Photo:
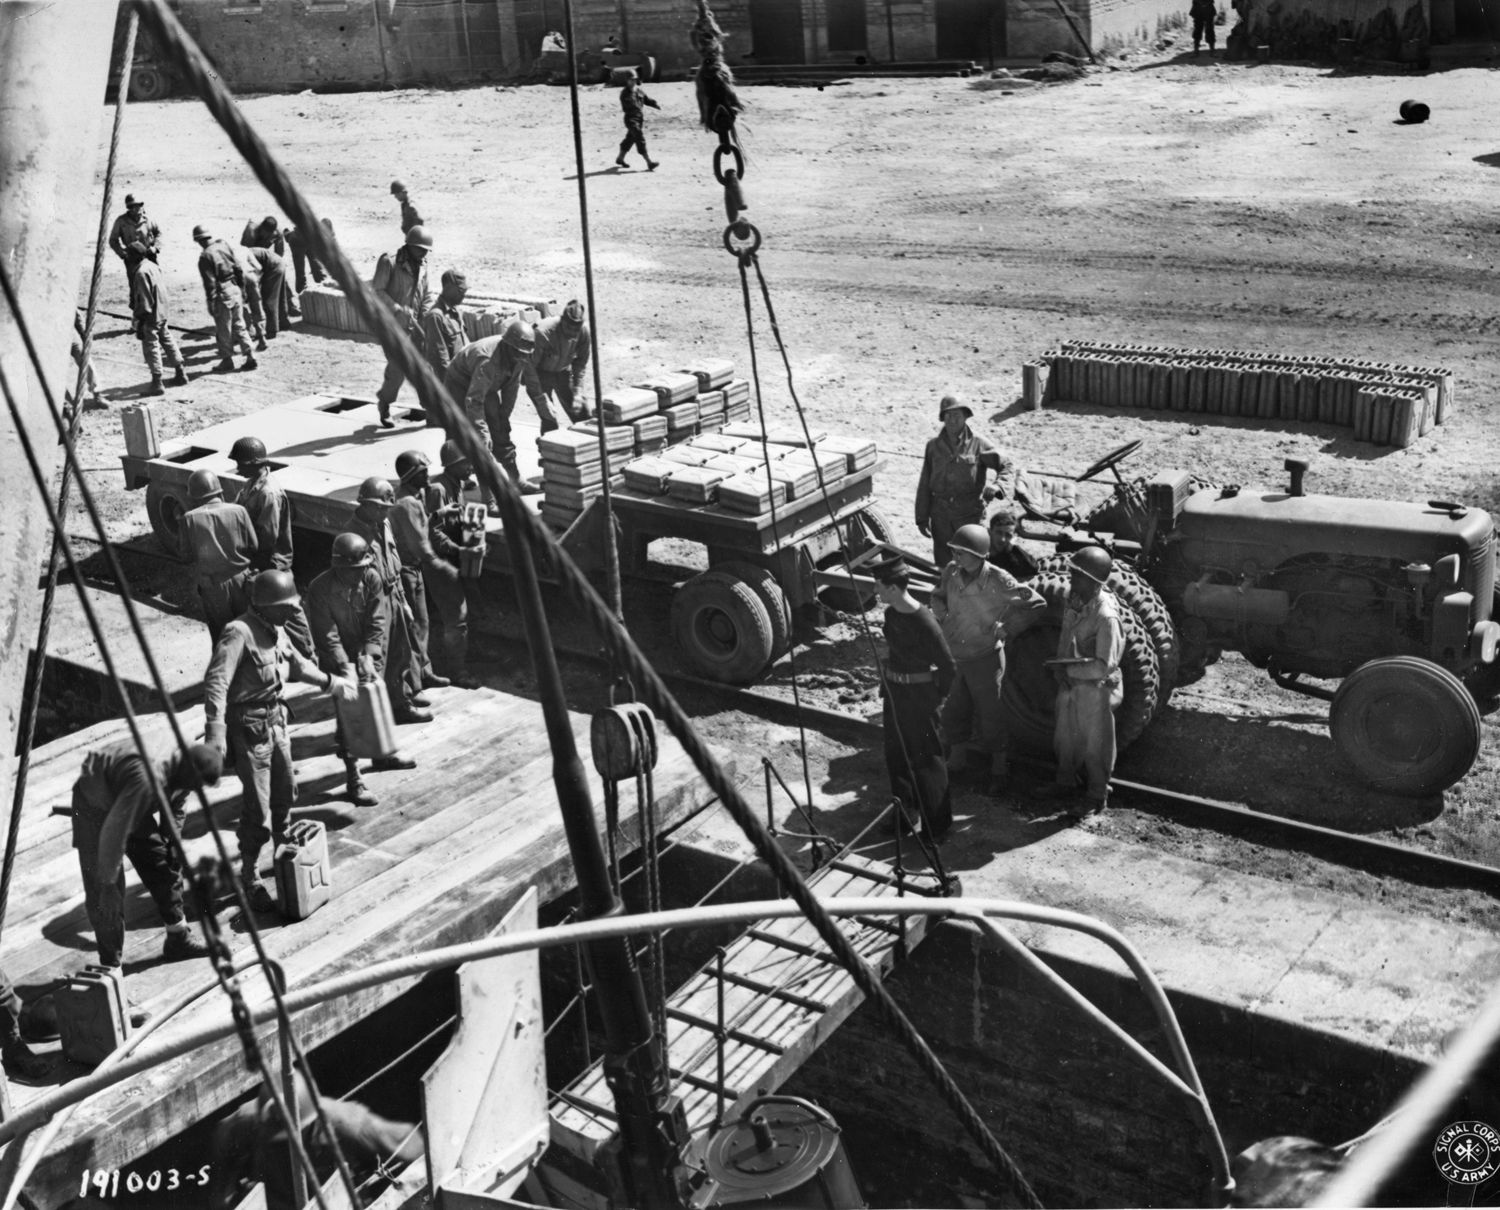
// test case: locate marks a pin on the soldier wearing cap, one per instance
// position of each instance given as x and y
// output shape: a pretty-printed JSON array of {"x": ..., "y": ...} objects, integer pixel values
[
  {"x": 443, "y": 327},
  {"x": 450, "y": 533},
  {"x": 979, "y": 608},
  {"x": 1004, "y": 553},
  {"x": 402, "y": 277},
  {"x": 244, "y": 713},
  {"x": 403, "y": 664},
  {"x": 562, "y": 356},
  {"x": 350, "y": 614},
  {"x": 409, "y": 216},
  {"x": 148, "y": 304},
  {"x": 220, "y": 539},
  {"x": 420, "y": 565},
  {"x": 500, "y": 378},
  {"x": 224, "y": 293},
  {"x": 130, "y": 228},
  {"x": 951, "y": 491},
  {"x": 1089, "y": 690},
  {"x": 919, "y": 672}
]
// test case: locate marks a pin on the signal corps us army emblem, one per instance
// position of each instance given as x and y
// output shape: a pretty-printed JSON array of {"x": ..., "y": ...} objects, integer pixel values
[{"x": 1467, "y": 1153}]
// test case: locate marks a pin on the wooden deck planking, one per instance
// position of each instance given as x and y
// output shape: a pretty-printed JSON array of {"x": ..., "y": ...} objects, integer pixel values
[
  {"x": 797, "y": 1029},
  {"x": 436, "y": 863}
]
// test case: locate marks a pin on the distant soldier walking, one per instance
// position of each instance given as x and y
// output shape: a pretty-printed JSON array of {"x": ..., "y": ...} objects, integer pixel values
[
  {"x": 409, "y": 216},
  {"x": 224, "y": 293},
  {"x": 148, "y": 303},
  {"x": 633, "y": 100},
  {"x": 951, "y": 491},
  {"x": 402, "y": 277},
  {"x": 129, "y": 229},
  {"x": 220, "y": 538},
  {"x": 403, "y": 661},
  {"x": 562, "y": 355}
]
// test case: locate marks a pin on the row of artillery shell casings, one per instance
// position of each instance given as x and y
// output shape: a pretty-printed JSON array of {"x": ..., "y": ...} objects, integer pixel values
[{"x": 1383, "y": 403}]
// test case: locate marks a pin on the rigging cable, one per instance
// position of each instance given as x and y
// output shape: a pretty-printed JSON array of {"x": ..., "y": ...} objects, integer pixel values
[
  {"x": 201, "y": 882},
  {"x": 31, "y": 693},
  {"x": 524, "y": 526}
]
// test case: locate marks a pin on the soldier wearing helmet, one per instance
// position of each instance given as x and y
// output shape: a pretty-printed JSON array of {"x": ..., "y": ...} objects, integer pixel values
[
  {"x": 404, "y": 661},
  {"x": 951, "y": 490},
  {"x": 511, "y": 365},
  {"x": 350, "y": 615},
  {"x": 129, "y": 230},
  {"x": 148, "y": 304},
  {"x": 562, "y": 356},
  {"x": 402, "y": 277},
  {"x": 224, "y": 294},
  {"x": 1087, "y": 670},
  {"x": 450, "y": 531},
  {"x": 220, "y": 540},
  {"x": 443, "y": 327},
  {"x": 266, "y": 503},
  {"x": 420, "y": 565},
  {"x": 979, "y": 608},
  {"x": 409, "y": 216},
  {"x": 482, "y": 400},
  {"x": 244, "y": 713}
]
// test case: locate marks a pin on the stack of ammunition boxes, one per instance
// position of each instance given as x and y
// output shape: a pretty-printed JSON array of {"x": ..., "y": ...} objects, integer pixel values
[{"x": 324, "y": 306}]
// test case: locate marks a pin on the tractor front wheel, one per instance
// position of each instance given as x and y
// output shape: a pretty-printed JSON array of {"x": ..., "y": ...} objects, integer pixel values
[
  {"x": 1407, "y": 726},
  {"x": 722, "y": 628},
  {"x": 165, "y": 508}
]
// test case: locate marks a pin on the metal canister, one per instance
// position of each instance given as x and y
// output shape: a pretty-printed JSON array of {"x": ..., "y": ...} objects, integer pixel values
[{"x": 783, "y": 1152}]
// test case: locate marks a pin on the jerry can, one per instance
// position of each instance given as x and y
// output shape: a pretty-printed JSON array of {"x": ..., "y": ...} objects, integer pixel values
[
  {"x": 471, "y": 562},
  {"x": 92, "y": 1017},
  {"x": 367, "y": 722},
  {"x": 139, "y": 425},
  {"x": 303, "y": 882}
]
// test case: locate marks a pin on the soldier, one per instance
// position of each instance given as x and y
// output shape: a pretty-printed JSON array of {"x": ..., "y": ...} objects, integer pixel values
[
  {"x": 351, "y": 622},
  {"x": 303, "y": 259},
  {"x": 244, "y": 712},
  {"x": 91, "y": 397},
  {"x": 266, "y": 503},
  {"x": 562, "y": 355},
  {"x": 443, "y": 327},
  {"x": 409, "y": 216},
  {"x": 1004, "y": 553},
  {"x": 951, "y": 490},
  {"x": 499, "y": 379},
  {"x": 148, "y": 303},
  {"x": 449, "y": 535},
  {"x": 224, "y": 292},
  {"x": 20, "y": 1061},
  {"x": 403, "y": 663},
  {"x": 419, "y": 564},
  {"x": 632, "y": 100},
  {"x": 265, "y": 292},
  {"x": 115, "y": 816},
  {"x": 1204, "y": 13},
  {"x": 402, "y": 278},
  {"x": 267, "y": 235},
  {"x": 1087, "y": 670},
  {"x": 979, "y": 607},
  {"x": 133, "y": 227},
  {"x": 221, "y": 539}
]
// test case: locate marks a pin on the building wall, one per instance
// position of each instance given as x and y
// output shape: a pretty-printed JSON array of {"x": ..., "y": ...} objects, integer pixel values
[{"x": 1323, "y": 29}]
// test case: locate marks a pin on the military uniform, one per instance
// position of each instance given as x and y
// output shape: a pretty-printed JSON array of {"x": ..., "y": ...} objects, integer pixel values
[
  {"x": 402, "y": 664},
  {"x": 148, "y": 303},
  {"x": 221, "y": 538},
  {"x": 303, "y": 259},
  {"x": 266, "y": 289},
  {"x": 130, "y": 229},
  {"x": 562, "y": 355},
  {"x": 351, "y": 629},
  {"x": 224, "y": 291},
  {"x": 442, "y": 337},
  {"x": 633, "y": 100},
  {"x": 1084, "y": 728},
  {"x": 919, "y": 672},
  {"x": 408, "y": 522},
  {"x": 500, "y": 378},
  {"x": 949, "y": 490},
  {"x": 403, "y": 281},
  {"x": 450, "y": 595},
  {"x": 459, "y": 377},
  {"x": 271, "y": 516}
]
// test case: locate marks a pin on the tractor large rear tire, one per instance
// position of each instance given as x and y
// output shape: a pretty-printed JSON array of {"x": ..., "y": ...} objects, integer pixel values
[
  {"x": 1029, "y": 690},
  {"x": 165, "y": 508},
  {"x": 722, "y": 628},
  {"x": 1136, "y": 594},
  {"x": 1407, "y": 726}
]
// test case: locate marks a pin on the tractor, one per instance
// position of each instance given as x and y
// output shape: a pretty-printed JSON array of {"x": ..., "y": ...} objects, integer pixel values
[{"x": 1395, "y": 601}]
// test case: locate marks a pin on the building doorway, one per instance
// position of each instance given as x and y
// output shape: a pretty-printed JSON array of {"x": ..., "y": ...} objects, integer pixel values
[
  {"x": 846, "y": 27},
  {"x": 776, "y": 31},
  {"x": 971, "y": 29}
]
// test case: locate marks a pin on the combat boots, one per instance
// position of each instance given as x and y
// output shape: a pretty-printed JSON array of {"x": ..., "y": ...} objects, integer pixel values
[
  {"x": 354, "y": 786},
  {"x": 156, "y": 387},
  {"x": 180, "y": 379}
]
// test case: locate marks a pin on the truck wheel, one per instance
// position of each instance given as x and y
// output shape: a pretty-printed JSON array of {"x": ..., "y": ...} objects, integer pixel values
[
  {"x": 148, "y": 83},
  {"x": 860, "y": 530},
  {"x": 1028, "y": 692},
  {"x": 165, "y": 508},
  {"x": 1136, "y": 594},
  {"x": 722, "y": 627},
  {"x": 1407, "y": 725},
  {"x": 778, "y": 609}
]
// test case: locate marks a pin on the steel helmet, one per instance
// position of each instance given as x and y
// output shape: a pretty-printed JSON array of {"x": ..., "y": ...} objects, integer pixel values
[
  {"x": 949, "y": 402},
  {"x": 274, "y": 588},
  {"x": 420, "y": 237},
  {"x": 520, "y": 336},
  {"x": 204, "y": 485},
  {"x": 203, "y": 767},
  {"x": 377, "y": 490},
  {"x": 974, "y": 539},
  {"x": 397, "y": 187},
  {"x": 350, "y": 550},
  {"x": 248, "y": 451},
  {"x": 1094, "y": 562},
  {"x": 409, "y": 462},
  {"x": 452, "y": 454},
  {"x": 201, "y": 232},
  {"x": 573, "y": 313},
  {"x": 131, "y": 201}
]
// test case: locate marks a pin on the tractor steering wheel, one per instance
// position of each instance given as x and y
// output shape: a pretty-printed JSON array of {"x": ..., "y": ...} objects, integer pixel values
[{"x": 1111, "y": 459}]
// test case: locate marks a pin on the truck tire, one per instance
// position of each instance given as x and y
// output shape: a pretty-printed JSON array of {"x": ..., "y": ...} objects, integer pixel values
[
  {"x": 1136, "y": 594},
  {"x": 1406, "y": 725},
  {"x": 165, "y": 508},
  {"x": 778, "y": 609},
  {"x": 865, "y": 526},
  {"x": 1028, "y": 691},
  {"x": 722, "y": 628},
  {"x": 149, "y": 83}
]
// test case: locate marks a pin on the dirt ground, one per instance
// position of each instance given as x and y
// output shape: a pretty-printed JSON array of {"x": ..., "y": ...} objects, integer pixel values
[{"x": 926, "y": 236}]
